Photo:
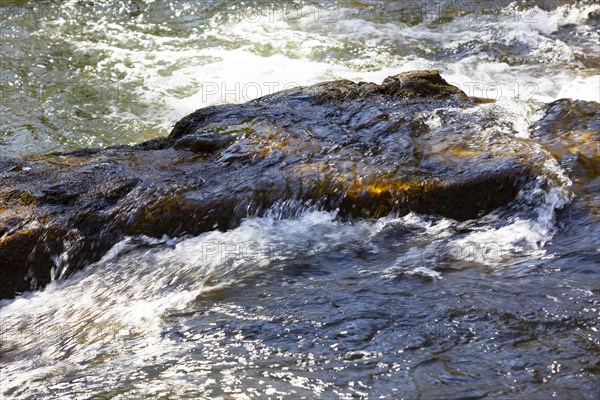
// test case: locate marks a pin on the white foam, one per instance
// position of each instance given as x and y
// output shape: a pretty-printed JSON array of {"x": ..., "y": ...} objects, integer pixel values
[
  {"x": 120, "y": 302},
  {"x": 174, "y": 76},
  {"x": 425, "y": 272},
  {"x": 581, "y": 88},
  {"x": 522, "y": 237},
  {"x": 569, "y": 14},
  {"x": 539, "y": 20}
]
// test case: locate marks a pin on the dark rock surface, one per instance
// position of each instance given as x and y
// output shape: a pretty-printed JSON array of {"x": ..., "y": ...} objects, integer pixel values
[
  {"x": 409, "y": 144},
  {"x": 570, "y": 131}
]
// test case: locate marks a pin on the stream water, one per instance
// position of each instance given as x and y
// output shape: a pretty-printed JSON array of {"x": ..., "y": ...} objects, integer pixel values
[{"x": 419, "y": 306}]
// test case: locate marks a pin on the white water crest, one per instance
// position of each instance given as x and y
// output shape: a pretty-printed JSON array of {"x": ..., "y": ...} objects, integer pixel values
[
  {"x": 124, "y": 73},
  {"x": 112, "y": 312},
  {"x": 261, "y": 51}
]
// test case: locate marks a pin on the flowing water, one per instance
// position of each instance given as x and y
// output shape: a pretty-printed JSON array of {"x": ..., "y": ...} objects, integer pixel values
[{"x": 419, "y": 306}]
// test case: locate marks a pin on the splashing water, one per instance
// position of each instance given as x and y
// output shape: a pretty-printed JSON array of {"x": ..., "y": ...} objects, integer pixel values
[{"x": 505, "y": 306}]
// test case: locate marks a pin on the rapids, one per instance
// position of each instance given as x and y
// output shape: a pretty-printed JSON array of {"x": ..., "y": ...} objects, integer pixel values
[{"x": 311, "y": 304}]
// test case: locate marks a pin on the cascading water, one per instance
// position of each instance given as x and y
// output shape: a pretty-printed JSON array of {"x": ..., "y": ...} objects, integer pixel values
[{"x": 315, "y": 306}]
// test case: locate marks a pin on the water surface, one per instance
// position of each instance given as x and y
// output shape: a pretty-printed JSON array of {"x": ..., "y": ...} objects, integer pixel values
[{"x": 313, "y": 307}]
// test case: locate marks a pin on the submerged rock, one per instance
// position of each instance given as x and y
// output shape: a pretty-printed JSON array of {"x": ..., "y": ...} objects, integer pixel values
[{"x": 413, "y": 143}]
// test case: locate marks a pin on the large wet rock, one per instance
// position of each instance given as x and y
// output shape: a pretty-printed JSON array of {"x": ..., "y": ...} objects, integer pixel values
[{"x": 413, "y": 143}]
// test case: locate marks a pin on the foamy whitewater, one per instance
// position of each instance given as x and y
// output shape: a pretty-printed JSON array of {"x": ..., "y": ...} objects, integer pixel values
[
  {"x": 141, "y": 73},
  {"x": 415, "y": 306}
]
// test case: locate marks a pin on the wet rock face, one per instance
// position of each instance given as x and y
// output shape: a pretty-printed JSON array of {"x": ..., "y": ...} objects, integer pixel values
[
  {"x": 570, "y": 131},
  {"x": 413, "y": 143}
]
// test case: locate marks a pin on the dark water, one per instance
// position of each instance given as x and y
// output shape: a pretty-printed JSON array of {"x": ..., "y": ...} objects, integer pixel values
[{"x": 506, "y": 306}]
